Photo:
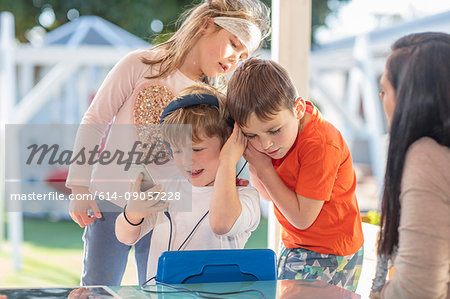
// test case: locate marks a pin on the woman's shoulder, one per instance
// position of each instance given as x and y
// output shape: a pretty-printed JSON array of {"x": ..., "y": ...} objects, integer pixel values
[
  {"x": 426, "y": 166},
  {"x": 427, "y": 148}
]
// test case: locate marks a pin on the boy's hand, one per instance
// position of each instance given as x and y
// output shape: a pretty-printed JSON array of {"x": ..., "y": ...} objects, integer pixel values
[
  {"x": 233, "y": 149},
  {"x": 142, "y": 204},
  {"x": 257, "y": 160},
  {"x": 242, "y": 182}
]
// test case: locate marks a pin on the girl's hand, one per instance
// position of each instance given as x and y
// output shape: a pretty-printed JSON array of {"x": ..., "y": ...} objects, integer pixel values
[
  {"x": 233, "y": 149},
  {"x": 79, "y": 209},
  {"x": 144, "y": 203},
  {"x": 257, "y": 161}
]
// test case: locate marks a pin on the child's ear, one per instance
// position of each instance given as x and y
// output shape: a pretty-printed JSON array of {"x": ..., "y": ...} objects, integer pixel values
[
  {"x": 205, "y": 23},
  {"x": 299, "y": 108}
]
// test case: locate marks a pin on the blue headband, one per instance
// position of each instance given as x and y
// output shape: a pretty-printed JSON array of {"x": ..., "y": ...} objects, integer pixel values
[{"x": 187, "y": 101}]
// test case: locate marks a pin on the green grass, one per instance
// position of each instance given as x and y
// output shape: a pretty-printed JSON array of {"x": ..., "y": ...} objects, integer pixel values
[
  {"x": 53, "y": 234},
  {"x": 258, "y": 239},
  {"x": 52, "y": 255}
]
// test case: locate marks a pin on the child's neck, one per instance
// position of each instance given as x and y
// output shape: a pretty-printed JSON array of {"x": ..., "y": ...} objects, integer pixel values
[
  {"x": 190, "y": 66},
  {"x": 303, "y": 121},
  {"x": 210, "y": 184},
  {"x": 207, "y": 185}
]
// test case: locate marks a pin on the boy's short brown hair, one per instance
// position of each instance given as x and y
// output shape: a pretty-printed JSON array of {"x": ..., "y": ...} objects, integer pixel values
[
  {"x": 205, "y": 119},
  {"x": 260, "y": 86}
]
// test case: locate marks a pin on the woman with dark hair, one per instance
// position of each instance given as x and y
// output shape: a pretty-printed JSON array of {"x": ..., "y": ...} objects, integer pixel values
[{"x": 415, "y": 219}]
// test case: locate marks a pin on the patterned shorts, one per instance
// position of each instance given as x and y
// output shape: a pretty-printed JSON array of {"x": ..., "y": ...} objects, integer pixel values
[{"x": 300, "y": 263}]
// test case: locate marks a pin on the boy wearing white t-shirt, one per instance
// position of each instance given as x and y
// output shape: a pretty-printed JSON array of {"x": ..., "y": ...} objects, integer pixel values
[{"x": 223, "y": 214}]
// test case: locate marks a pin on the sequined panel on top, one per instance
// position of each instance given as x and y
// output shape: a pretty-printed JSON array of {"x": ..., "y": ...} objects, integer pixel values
[{"x": 148, "y": 107}]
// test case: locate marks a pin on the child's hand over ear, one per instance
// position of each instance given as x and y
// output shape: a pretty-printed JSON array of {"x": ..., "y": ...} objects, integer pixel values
[
  {"x": 233, "y": 149},
  {"x": 257, "y": 160}
]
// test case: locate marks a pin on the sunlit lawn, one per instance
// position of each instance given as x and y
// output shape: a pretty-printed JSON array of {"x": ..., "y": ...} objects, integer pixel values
[{"x": 52, "y": 255}]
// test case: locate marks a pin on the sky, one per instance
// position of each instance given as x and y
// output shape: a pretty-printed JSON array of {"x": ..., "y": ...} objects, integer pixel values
[{"x": 359, "y": 16}]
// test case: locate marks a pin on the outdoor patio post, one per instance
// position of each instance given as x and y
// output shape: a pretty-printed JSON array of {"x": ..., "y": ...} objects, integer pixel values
[
  {"x": 7, "y": 102},
  {"x": 291, "y": 39}
]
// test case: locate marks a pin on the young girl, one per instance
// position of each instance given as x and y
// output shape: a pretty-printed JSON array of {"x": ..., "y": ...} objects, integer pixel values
[
  {"x": 415, "y": 208},
  {"x": 223, "y": 215},
  {"x": 214, "y": 37}
]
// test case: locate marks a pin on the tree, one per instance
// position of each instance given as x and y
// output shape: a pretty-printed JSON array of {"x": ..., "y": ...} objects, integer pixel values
[
  {"x": 134, "y": 16},
  {"x": 320, "y": 11}
]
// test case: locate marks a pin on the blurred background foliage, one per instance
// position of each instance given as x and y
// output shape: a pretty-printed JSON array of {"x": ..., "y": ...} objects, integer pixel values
[{"x": 134, "y": 16}]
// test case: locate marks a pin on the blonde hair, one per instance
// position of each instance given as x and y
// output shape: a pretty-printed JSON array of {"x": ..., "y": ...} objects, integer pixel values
[
  {"x": 206, "y": 120},
  {"x": 181, "y": 42}
]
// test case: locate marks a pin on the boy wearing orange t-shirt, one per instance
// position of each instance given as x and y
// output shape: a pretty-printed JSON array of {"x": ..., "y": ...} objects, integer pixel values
[{"x": 300, "y": 162}]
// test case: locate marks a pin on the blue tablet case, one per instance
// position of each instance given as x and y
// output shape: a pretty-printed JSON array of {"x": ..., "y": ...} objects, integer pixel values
[{"x": 226, "y": 265}]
